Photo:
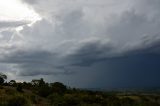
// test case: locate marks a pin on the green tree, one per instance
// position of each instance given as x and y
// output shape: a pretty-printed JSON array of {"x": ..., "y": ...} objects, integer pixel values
[
  {"x": 19, "y": 87},
  {"x": 38, "y": 82},
  {"x": 58, "y": 87},
  {"x": 41, "y": 82},
  {"x": 2, "y": 78},
  {"x": 13, "y": 83},
  {"x": 44, "y": 91}
]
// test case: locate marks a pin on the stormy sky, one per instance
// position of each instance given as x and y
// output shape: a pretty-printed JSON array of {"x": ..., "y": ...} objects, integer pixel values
[{"x": 82, "y": 43}]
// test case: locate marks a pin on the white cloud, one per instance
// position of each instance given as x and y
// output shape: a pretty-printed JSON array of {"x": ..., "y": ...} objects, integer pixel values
[{"x": 16, "y": 10}]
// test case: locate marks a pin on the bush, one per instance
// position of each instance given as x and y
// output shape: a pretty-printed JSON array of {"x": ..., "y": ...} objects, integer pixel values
[
  {"x": 10, "y": 91},
  {"x": 56, "y": 100},
  {"x": 113, "y": 101},
  {"x": 1, "y": 87},
  {"x": 44, "y": 91},
  {"x": 58, "y": 87},
  {"x": 19, "y": 88},
  {"x": 66, "y": 100},
  {"x": 18, "y": 101},
  {"x": 128, "y": 102},
  {"x": 34, "y": 99}
]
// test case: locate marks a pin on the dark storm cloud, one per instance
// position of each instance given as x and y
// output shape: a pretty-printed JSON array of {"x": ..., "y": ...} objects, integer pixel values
[
  {"x": 27, "y": 56},
  {"x": 93, "y": 52},
  {"x": 32, "y": 63},
  {"x": 110, "y": 42},
  {"x": 136, "y": 68},
  {"x": 149, "y": 45},
  {"x": 135, "y": 71}
]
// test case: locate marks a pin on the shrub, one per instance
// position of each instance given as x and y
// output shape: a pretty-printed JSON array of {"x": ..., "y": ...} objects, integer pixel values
[
  {"x": 10, "y": 91},
  {"x": 1, "y": 87},
  {"x": 58, "y": 87},
  {"x": 71, "y": 100},
  {"x": 34, "y": 99},
  {"x": 128, "y": 102},
  {"x": 44, "y": 91},
  {"x": 19, "y": 88},
  {"x": 2, "y": 78},
  {"x": 56, "y": 100},
  {"x": 18, "y": 101}
]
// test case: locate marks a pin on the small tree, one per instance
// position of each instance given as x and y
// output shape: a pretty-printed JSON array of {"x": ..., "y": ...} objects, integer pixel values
[
  {"x": 58, "y": 87},
  {"x": 13, "y": 83},
  {"x": 38, "y": 82},
  {"x": 19, "y": 87},
  {"x": 2, "y": 78},
  {"x": 41, "y": 82}
]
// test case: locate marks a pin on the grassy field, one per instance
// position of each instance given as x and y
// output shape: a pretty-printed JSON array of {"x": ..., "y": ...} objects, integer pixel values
[{"x": 9, "y": 96}]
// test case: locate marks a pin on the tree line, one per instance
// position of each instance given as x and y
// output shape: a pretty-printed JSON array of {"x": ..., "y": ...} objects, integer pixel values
[
  {"x": 38, "y": 86},
  {"x": 58, "y": 94}
]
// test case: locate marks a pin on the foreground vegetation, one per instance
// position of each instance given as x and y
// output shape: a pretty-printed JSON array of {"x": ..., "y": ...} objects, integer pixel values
[{"x": 40, "y": 93}]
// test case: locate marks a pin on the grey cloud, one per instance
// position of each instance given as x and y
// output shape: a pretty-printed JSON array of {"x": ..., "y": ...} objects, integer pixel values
[
  {"x": 75, "y": 25},
  {"x": 94, "y": 52},
  {"x": 34, "y": 69},
  {"x": 149, "y": 45},
  {"x": 91, "y": 52},
  {"x": 11, "y": 24},
  {"x": 32, "y": 63},
  {"x": 87, "y": 35},
  {"x": 31, "y": 1},
  {"x": 27, "y": 56},
  {"x": 125, "y": 31}
]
